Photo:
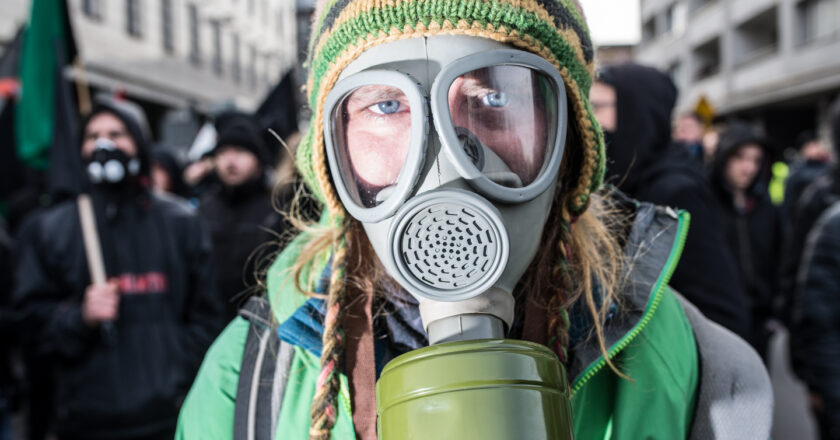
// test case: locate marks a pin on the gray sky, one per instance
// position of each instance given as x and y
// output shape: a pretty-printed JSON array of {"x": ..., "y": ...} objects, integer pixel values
[{"x": 613, "y": 21}]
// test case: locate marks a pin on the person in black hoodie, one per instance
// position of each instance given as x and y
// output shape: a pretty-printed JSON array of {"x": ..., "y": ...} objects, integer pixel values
[
  {"x": 634, "y": 104},
  {"x": 239, "y": 209},
  {"x": 803, "y": 213},
  {"x": 813, "y": 291},
  {"x": 739, "y": 179},
  {"x": 127, "y": 351}
]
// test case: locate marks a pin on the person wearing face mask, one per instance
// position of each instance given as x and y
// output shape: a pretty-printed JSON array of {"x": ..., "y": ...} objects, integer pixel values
[
  {"x": 468, "y": 278},
  {"x": 125, "y": 351},
  {"x": 633, "y": 104},
  {"x": 239, "y": 209},
  {"x": 753, "y": 225}
]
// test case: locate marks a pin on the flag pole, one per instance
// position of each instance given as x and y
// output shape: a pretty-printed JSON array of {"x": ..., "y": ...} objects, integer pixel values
[
  {"x": 87, "y": 218},
  {"x": 82, "y": 88}
]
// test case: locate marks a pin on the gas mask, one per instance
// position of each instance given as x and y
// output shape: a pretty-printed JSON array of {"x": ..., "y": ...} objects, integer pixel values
[
  {"x": 447, "y": 149},
  {"x": 109, "y": 165}
]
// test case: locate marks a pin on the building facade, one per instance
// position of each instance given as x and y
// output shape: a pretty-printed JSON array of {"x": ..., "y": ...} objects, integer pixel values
[
  {"x": 202, "y": 54},
  {"x": 775, "y": 63}
]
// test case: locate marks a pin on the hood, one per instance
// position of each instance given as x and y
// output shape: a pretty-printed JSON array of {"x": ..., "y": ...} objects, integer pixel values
[
  {"x": 241, "y": 130},
  {"x": 734, "y": 137},
  {"x": 645, "y": 100},
  {"x": 136, "y": 124}
]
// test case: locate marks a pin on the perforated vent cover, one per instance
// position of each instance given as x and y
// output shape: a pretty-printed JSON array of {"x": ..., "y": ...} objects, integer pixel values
[{"x": 451, "y": 246}]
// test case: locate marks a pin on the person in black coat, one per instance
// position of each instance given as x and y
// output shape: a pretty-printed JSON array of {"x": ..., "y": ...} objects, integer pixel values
[
  {"x": 803, "y": 212},
  {"x": 634, "y": 104},
  {"x": 816, "y": 315},
  {"x": 239, "y": 210},
  {"x": 753, "y": 225},
  {"x": 8, "y": 383},
  {"x": 125, "y": 352}
]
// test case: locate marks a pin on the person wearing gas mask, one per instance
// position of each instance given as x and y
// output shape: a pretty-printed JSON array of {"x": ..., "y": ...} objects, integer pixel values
[
  {"x": 239, "y": 209},
  {"x": 466, "y": 256},
  {"x": 633, "y": 104},
  {"x": 126, "y": 351}
]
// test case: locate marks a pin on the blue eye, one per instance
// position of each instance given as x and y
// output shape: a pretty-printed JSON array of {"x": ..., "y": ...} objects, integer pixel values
[
  {"x": 495, "y": 99},
  {"x": 386, "y": 107}
]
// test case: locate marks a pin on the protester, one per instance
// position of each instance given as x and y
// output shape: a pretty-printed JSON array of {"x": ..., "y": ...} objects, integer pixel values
[
  {"x": 239, "y": 210},
  {"x": 753, "y": 225},
  {"x": 817, "y": 312},
  {"x": 166, "y": 173},
  {"x": 689, "y": 132},
  {"x": 125, "y": 351},
  {"x": 370, "y": 163},
  {"x": 8, "y": 383},
  {"x": 634, "y": 103},
  {"x": 812, "y": 161},
  {"x": 804, "y": 212}
]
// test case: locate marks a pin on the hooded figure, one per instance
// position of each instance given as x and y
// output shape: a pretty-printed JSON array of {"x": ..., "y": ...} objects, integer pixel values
[
  {"x": 239, "y": 208},
  {"x": 125, "y": 351},
  {"x": 803, "y": 214},
  {"x": 813, "y": 292},
  {"x": 455, "y": 154},
  {"x": 753, "y": 224},
  {"x": 642, "y": 162}
]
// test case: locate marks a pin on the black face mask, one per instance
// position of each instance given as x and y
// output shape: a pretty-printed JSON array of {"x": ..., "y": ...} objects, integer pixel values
[{"x": 111, "y": 166}]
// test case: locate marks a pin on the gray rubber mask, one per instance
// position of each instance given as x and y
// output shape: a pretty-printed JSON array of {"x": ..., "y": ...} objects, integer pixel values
[{"x": 447, "y": 149}]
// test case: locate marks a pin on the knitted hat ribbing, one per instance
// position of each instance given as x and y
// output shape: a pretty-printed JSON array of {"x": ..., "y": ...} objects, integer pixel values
[{"x": 553, "y": 29}]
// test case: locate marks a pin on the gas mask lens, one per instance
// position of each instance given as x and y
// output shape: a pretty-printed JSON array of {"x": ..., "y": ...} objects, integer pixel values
[
  {"x": 372, "y": 130},
  {"x": 505, "y": 119}
]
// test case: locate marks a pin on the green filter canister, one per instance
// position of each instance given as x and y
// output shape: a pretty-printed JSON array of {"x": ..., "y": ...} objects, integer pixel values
[{"x": 493, "y": 389}]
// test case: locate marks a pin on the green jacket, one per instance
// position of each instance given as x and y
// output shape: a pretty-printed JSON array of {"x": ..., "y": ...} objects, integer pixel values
[{"x": 652, "y": 344}]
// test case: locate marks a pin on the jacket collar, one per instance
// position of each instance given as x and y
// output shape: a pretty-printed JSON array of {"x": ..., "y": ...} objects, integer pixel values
[{"x": 653, "y": 248}]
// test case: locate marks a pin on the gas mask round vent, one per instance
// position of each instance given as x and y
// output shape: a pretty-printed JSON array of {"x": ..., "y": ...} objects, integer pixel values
[{"x": 449, "y": 245}]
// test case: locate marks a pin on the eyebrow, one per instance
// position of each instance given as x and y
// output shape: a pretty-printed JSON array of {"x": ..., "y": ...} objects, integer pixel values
[{"x": 375, "y": 94}]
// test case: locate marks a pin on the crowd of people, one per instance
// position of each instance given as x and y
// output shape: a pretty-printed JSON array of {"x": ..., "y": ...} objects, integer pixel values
[
  {"x": 751, "y": 264},
  {"x": 107, "y": 311},
  {"x": 88, "y": 358}
]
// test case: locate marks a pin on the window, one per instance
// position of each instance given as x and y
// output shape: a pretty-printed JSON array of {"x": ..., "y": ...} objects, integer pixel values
[
  {"x": 236, "y": 59},
  {"x": 757, "y": 37},
  {"x": 252, "y": 67},
  {"x": 669, "y": 19},
  {"x": 817, "y": 19},
  {"x": 649, "y": 29},
  {"x": 707, "y": 59},
  {"x": 166, "y": 30},
  {"x": 92, "y": 9},
  {"x": 195, "y": 41},
  {"x": 675, "y": 71},
  {"x": 217, "y": 46},
  {"x": 698, "y": 4},
  {"x": 132, "y": 18}
]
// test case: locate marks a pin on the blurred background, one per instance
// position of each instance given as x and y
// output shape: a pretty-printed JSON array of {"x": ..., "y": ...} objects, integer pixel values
[{"x": 771, "y": 64}]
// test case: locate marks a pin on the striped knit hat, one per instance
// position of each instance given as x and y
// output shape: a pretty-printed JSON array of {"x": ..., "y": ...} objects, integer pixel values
[{"x": 553, "y": 29}]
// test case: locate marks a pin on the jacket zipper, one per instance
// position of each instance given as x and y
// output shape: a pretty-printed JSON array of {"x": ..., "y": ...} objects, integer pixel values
[{"x": 670, "y": 265}]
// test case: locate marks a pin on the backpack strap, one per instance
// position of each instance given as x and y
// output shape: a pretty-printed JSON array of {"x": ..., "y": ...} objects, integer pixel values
[{"x": 263, "y": 375}]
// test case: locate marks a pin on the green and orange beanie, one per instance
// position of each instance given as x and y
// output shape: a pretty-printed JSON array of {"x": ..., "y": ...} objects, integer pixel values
[{"x": 553, "y": 29}]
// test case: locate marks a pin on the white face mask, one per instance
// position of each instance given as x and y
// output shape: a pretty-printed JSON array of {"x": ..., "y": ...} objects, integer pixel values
[
  {"x": 455, "y": 211},
  {"x": 110, "y": 165}
]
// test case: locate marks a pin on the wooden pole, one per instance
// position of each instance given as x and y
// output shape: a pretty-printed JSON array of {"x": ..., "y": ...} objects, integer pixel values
[
  {"x": 82, "y": 88},
  {"x": 93, "y": 249}
]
